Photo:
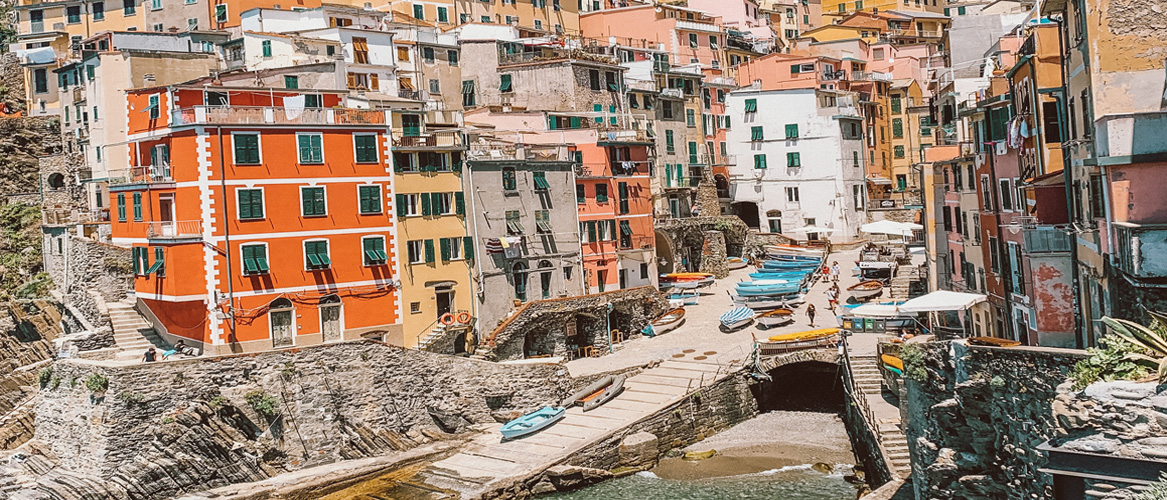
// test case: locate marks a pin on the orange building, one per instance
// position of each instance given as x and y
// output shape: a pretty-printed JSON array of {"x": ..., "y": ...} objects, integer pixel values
[
  {"x": 300, "y": 249},
  {"x": 615, "y": 215}
]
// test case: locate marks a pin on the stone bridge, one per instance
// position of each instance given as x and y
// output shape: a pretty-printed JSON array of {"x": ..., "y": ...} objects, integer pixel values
[{"x": 829, "y": 355}]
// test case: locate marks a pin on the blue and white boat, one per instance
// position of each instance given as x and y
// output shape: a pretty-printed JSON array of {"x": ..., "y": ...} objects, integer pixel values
[
  {"x": 766, "y": 303},
  {"x": 532, "y": 422},
  {"x": 680, "y": 297},
  {"x": 797, "y": 258},
  {"x": 737, "y": 317},
  {"x": 782, "y": 264},
  {"x": 750, "y": 290},
  {"x": 779, "y": 275}
]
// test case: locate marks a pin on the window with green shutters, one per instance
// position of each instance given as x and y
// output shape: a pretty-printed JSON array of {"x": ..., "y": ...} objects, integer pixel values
[
  {"x": 312, "y": 201},
  {"x": 370, "y": 199},
  {"x": 622, "y": 192},
  {"x": 505, "y": 83},
  {"x": 756, "y": 134},
  {"x": 316, "y": 254},
  {"x": 580, "y": 194},
  {"x": 311, "y": 148},
  {"x": 137, "y": 207},
  {"x": 690, "y": 118},
  {"x": 541, "y": 181},
  {"x": 692, "y": 152},
  {"x": 443, "y": 15},
  {"x": 429, "y": 251},
  {"x": 419, "y": 12},
  {"x": 291, "y": 82},
  {"x": 543, "y": 222},
  {"x": 899, "y": 151},
  {"x": 792, "y": 131},
  {"x": 427, "y": 207},
  {"x": 896, "y": 105},
  {"x": 459, "y": 203},
  {"x": 591, "y": 230},
  {"x": 514, "y": 222},
  {"x": 141, "y": 259},
  {"x": 760, "y": 161},
  {"x": 254, "y": 259},
  {"x": 373, "y": 251},
  {"x": 366, "y": 148},
  {"x": 121, "y": 207},
  {"x": 669, "y": 145},
  {"x": 751, "y": 105},
  {"x": 411, "y": 125},
  {"x": 266, "y": 48},
  {"x": 601, "y": 193},
  {"x": 250, "y": 204},
  {"x": 793, "y": 160},
  {"x": 158, "y": 268},
  {"x": 444, "y": 249},
  {"x": 855, "y": 159},
  {"x": 509, "y": 183},
  {"x": 897, "y": 128}
]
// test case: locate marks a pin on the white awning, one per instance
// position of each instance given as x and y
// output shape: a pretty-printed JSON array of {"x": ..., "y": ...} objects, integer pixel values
[
  {"x": 874, "y": 264},
  {"x": 890, "y": 227},
  {"x": 943, "y": 300},
  {"x": 879, "y": 180},
  {"x": 876, "y": 311}
]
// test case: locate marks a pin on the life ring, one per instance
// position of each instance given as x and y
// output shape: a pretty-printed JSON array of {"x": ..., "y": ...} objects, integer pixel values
[
  {"x": 464, "y": 317},
  {"x": 447, "y": 319}
]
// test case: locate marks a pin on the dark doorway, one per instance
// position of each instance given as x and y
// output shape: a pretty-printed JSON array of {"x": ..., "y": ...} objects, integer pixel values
[
  {"x": 805, "y": 386},
  {"x": 748, "y": 212},
  {"x": 445, "y": 301}
]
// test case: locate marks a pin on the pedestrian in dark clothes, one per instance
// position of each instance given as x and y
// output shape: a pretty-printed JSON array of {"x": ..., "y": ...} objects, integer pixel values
[{"x": 810, "y": 313}]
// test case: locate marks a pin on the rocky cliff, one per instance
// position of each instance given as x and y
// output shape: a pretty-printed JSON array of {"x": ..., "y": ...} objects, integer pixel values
[
  {"x": 27, "y": 329},
  {"x": 159, "y": 430},
  {"x": 976, "y": 416}
]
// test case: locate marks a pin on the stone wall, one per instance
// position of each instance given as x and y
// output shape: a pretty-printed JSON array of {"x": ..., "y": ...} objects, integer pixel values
[
  {"x": 976, "y": 416},
  {"x": 27, "y": 331},
  {"x": 60, "y": 181},
  {"x": 86, "y": 266},
  {"x": 687, "y": 238},
  {"x": 713, "y": 255},
  {"x": 548, "y": 327},
  {"x": 182, "y": 426}
]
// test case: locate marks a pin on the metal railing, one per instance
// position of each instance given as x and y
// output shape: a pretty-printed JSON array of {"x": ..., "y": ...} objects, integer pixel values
[
  {"x": 174, "y": 229},
  {"x": 614, "y": 169},
  {"x": 636, "y": 243},
  {"x": 214, "y": 115},
  {"x": 871, "y": 75},
  {"x": 430, "y": 139},
  {"x": 140, "y": 175},
  {"x": 553, "y": 54}
]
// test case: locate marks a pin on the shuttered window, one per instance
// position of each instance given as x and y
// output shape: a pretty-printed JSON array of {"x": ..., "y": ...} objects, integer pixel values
[
  {"x": 760, "y": 161},
  {"x": 121, "y": 207},
  {"x": 316, "y": 253},
  {"x": 374, "y": 251},
  {"x": 792, "y": 131},
  {"x": 311, "y": 148},
  {"x": 312, "y": 201},
  {"x": 246, "y": 149},
  {"x": 751, "y": 105},
  {"x": 250, "y": 204},
  {"x": 137, "y": 207},
  {"x": 370, "y": 199},
  {"x": 255, "y": 259},
  {"x": 366, "y": 148},
  {"x": 756, "y": 133}
]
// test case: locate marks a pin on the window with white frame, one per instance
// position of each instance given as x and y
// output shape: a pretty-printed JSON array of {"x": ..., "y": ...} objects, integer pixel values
[{"x": 415, "y": 251}]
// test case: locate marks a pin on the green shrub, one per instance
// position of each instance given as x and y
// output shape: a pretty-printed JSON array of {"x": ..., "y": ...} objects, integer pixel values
[
  {"x": 45, "y": 375},
  {"x": 266, "y": 405},
  {"x": 913, "y": 359},
  {"x": 217, "y": 402},
  {"x": 1108, "y": 362},
  {"x": 131, "y": 398},
  {"x": 54, "y": 383},
  {"x": 96, "y": 382}
]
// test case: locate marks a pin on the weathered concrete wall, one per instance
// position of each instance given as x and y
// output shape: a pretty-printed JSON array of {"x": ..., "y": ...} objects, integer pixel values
[
  {"x": 549, "y": 327},
  {"x": 184, "y": 426},
  {"x": 976, "y": 416}
]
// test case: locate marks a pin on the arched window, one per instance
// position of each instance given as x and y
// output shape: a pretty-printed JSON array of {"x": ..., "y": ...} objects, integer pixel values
[
  {"x": 57, "y": 181},
  {"x": 330, "y": 322},
  {"x": 279, "y": 316},
  {"x": 545, "y": 269},
  {"x": 519, "y": 272}
]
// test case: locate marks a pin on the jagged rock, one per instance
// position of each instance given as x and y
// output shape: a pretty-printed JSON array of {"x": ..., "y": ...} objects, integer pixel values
[
  {"x": 638, "y": 449},
  {"x": 568, "y": 478}
]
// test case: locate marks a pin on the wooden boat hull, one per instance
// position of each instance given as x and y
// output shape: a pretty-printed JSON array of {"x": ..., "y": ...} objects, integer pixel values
[
  {"x": 675, "y": 277},
  {"x": 791, "y": 250},
  {"x": 807, "y": 335},
  {"x": 737, "y": 317},
  {"x": 735, "y": 263},
  {"x": 767, "y": 303},
  {"x": 993, "y": 342},
  {"x": 596, "y": 393},
  {"x": 892, "y": 361},
  {"x": 776, "y": 317},
  {"x": 532, "y": 422},
  {"x": 866, "y": 289},
  {"x": 668, "y": 321},
  {"x": 766, "y": 291}
]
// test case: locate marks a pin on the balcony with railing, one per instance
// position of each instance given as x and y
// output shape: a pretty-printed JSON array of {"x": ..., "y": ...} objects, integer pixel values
[
  {"x": 913, "y": 33},
  {"x": 894, "y": 201},
  {"x": 430, "y": 139},
  {"x": 145, "y": 174},
  {"x": 1140, "y": 249},
  {"x": 594, "y": 53},
  {"x": 1046, "y": 239},
  {"x": 174, "y": 230},
  {"x": 236, "y": 115},
  {"x": 875, "y": 76},
  {"x": 614, "y": 169},
  {"x": 636, "y": 243}
]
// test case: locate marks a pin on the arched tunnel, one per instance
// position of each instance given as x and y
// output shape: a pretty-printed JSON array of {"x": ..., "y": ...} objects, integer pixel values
[{"x": 803, "y": 386}]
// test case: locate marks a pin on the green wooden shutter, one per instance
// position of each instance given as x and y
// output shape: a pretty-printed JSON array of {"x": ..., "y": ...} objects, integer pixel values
[
  {"x": 305, "y": 144},
  {"x": 436, "y": 203},
  {"x": 425, "y": 204},
  {"x": 468, "y": 247},
  {"x": 445, "y": 249},
  {"x": 792, "y": 131},
  {"x": 121, "y": 207},
  {"x": 159, "y": 266},
  {"x": 429, "y": 251},
  {"x": 591, "y": 225},
  {"x": 459, "y": 203},
  {"x": 137, "y": 207},
  {"x": 135, "y": 254},
  {"x": 245, "y": 204},
  {"x": 400, "y": 207}
]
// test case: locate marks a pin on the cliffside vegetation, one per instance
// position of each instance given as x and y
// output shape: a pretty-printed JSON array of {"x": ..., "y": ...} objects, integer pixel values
[
  {"x": 1129, "y": 352},
  {"x": 21, "y": 274}
]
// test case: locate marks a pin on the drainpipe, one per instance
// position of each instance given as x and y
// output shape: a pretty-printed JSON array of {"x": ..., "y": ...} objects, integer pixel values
[
  {"x": 226, "y": 233},
  {"x": 1068, "y": 175}
]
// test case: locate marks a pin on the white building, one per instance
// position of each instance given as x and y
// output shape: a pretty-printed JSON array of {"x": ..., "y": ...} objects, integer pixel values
[{"x": 799, "y": 161}]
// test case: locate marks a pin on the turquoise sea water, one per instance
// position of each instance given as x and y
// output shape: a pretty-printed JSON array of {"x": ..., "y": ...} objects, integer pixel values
[{"x": 788, "y": 483}]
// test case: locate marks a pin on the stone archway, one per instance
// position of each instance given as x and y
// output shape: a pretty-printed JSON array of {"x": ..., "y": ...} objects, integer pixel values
[
  {"x": 747, "y": 211},
  {"x": 664, "y": 253}
]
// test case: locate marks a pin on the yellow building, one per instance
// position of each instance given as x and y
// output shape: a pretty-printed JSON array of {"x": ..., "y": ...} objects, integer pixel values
[
  {"x": 435, "y": 255},
  {"x": 556, "y": 16},
  {"x": 834, "y": 32},
  {"x": 832, "y": 8},
  {"x": 906, "y": 107}
]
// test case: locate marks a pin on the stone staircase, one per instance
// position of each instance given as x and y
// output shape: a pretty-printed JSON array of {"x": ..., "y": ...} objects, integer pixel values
[
  {"x": 132, "y": 335},
  {"x": 901, "y": 284},
  {"x": 869, "y": 382}
]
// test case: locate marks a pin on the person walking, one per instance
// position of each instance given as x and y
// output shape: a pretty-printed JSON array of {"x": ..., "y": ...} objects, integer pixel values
[
  {"x": 810, "y": 313},
  {"x": 835, "y": 271},
  {"x": 832, "y": 298}
]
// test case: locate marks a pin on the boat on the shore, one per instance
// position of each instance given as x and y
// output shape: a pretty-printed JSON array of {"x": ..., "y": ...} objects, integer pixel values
[
  {"x": 807, "y": 335},
  {"x": 776, "y": 250},
  {"x": 737, "y": 317},
  {"x": 683, "y": 297},
  {"x": 686, "y": 280},
  {"x": 866, "y": 289},
  {"x": 750, "y": 290},
  {"x": 787, "y": 265},
  {"x": 596, "y": 393},
  {"x": 766, "y": 303},
  {"x": 775, "y": 317},
  {"x": 532, "y": 422},
  {"x": 698, "y": 455},
  {"x": 779, "y": 275},
  {"x": 667, "y": 322},
  {"x": 735, "y": 263},
  {"x": 896, "y": 365}
]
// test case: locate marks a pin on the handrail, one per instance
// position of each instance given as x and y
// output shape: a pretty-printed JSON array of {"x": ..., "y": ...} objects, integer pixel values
[{"x": 429, "y": 329}]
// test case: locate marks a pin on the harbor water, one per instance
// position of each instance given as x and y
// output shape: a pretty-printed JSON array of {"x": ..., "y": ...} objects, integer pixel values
[{"x": 787, "y": 483}]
